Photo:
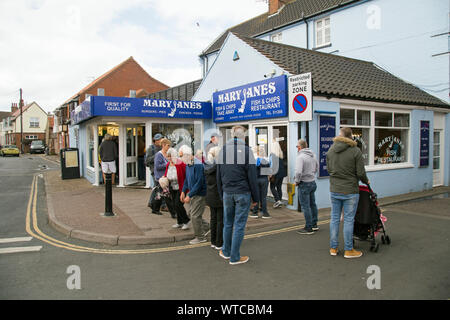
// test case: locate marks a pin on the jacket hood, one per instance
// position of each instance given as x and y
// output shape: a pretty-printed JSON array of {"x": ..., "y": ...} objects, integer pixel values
[
  {"x": 342, "y": 144},
  {"x": 308, "y": 152}
]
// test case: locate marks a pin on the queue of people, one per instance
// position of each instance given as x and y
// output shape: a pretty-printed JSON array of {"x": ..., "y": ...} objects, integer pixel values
[{"x": 233, "y": 181}]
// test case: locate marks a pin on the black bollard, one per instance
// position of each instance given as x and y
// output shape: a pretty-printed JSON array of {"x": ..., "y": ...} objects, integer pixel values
[{"x": 108, "y": 195}]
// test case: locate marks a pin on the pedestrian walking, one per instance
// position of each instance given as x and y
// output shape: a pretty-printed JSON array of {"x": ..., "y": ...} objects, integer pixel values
[
  {"x": 237, "y": 186},
  {"x": 345, "y": 165},
  {"x": 150, "y": 154},
  {"x": 262, "y": 176},
  {"x": 194, "y": 193},
  {"x": 108, "y": 155},
  {"x": 306, "y": 167},
  {"x": 279, "y": 168},
  {"x": 213, "y": 199},
  {"x": 176, "y": 174},
  {"x": 160, "y": 164}
]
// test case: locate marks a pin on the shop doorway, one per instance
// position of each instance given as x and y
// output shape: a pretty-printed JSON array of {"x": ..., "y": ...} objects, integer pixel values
[
  {"x": 266, "y": 135},
  {"x": 113, "y": 131},
  {"x": 225, "y": 133},
  {"x": 134, "y": 155},
  {"x": 438, "y": 177}
]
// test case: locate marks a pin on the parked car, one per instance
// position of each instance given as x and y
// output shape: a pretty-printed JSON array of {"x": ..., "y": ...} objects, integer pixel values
[
  {"x": 9, "y": 150},
  {"x": 37, "y": 146}
]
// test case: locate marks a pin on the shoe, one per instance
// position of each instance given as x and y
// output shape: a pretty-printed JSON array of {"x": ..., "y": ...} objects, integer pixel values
[
  {"x": 185, "y": 226},
  {"x": 213, "y": 246},
  {"x": 157, "y": 213},
  {"x": 242, "y": 260},
  {"x": 218, "y": 248},
  {"x": 349, "y": 254},
  {"x": 197, "y": 241},
  {"x": 254, "y": 215},
  {"x": 222, "y": 255},
  {"x": 315, "y": 228},
  {"x": 334, "y": 252},
  {"x": 176, "y": 226},
  {"x": 174, "y": 216},
  {"x": 277, "y": 204},
  {"x": 266, "y": 216},
  {"x": 305, "y": 231}
]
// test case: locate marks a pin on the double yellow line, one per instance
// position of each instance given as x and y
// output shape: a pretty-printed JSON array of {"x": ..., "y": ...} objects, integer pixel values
[{"x": 33, "y": 230}]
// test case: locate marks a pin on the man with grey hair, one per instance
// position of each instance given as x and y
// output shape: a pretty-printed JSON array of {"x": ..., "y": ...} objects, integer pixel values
[
  {"x": 306, "y": 167},
  {"x": 237, "y": 186},
  {"x": 108, "y": 155}
]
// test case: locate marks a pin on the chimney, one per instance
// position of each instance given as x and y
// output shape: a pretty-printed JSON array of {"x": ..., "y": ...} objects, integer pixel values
[
  {"x": 14, "y": 107},
  {"x": 274, "y": 6}
]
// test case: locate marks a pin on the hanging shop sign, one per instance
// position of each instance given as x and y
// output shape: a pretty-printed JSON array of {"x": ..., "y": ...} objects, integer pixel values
[
  {"x": 424, "y": 143},
  {"x": 138, "y": 107},
  {"x": 257, "y": 100},
  {"x": 300, "y": 97},
  {"x": 327, "y": 131},
  {"x": 81, "y": 112}
]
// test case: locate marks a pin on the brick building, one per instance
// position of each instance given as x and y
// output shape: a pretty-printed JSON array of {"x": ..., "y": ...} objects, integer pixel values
[{"x": 127, "y": 79}]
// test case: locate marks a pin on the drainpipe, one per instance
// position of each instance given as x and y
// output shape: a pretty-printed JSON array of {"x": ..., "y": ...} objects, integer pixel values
[{"x": 307, "y": 30}]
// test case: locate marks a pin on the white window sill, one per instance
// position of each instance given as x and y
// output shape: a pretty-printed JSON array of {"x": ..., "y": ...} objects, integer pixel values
[{"x": 394, "y": 166}]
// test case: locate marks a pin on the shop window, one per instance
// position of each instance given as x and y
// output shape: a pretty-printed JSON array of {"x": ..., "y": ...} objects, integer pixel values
[
  {"x": 363, "y": 118},
  {"x": 178, "y": 134},
  {"x": 391, "y": 146},
  {"x": 383, "y": 119},
  {"x": 347, "y": 117},
  {"x": 91, "y": 155},
  {"x": 362, "y": 138}
]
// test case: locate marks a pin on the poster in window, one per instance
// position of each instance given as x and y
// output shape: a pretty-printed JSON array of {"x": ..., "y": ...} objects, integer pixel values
[
  {"x": 424, "y": 143},
  {"x": 327, "y": 131}
]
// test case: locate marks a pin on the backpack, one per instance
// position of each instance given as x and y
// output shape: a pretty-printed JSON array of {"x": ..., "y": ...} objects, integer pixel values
[{"x": 150, "y": 158}]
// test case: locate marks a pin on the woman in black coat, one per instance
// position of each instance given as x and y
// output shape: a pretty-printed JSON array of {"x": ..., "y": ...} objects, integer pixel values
[
  {"x": 279, "y": 166},
  {"x": 213, "y": 199}
]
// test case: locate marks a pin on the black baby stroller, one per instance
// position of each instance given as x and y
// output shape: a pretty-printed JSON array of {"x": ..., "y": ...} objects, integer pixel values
[{"x": 368, "y": 219}]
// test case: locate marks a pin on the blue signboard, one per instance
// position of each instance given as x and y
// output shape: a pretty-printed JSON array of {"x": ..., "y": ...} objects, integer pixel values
[
  {"x": 138, "y": 107},
  {"x": 82, "y": 112},
  {"x": 424, "y": 143},
  {"x": 257, "y": 100},
  {"x": 327, "y": 131}
]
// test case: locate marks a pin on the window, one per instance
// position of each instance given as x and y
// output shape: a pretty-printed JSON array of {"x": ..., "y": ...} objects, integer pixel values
[
  {"x": 323, "y": 37},
  {"x": 91, "y": 141},
  {"x": 391, "y": 142},
  {"x": 34, "y": 122},
  {"x": 382, "y": 137},
  {"x": 31, "y": 137},
  {"x": 276, "y": 37}
]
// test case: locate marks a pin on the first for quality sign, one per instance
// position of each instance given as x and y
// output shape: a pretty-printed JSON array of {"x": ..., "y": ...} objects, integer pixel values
[{"x": 300, "y": 97}]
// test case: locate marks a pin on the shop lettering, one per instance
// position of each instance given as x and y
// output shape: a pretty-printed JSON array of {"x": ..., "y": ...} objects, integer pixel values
[
  {"x": 172, "y": 104},
  {"x": 117, "y": 106},
  {"x": 259, "y": 90},
  {"x": 391, "y": 140}
]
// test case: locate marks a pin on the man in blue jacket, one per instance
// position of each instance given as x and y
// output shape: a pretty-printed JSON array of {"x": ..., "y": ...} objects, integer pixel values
[
  {"x": 238, "y": 186},
  {"x": 194, "y": 193}
]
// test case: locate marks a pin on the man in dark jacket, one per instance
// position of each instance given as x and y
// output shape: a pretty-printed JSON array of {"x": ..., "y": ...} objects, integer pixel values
[
  {"x": 345, "y": 165},
  {"x": 108, "y": 155},
  {"x": 237, "y": 185}
]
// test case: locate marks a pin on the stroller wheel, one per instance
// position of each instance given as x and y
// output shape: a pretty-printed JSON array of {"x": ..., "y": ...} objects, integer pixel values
[
  {"x": 388, "y": 240},
  {"x": 374, "y": 248}
]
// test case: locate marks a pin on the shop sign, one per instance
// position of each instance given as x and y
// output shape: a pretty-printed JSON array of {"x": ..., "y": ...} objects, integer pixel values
[
  {"x": 391, "y": 148},
  {"x": 257, "y": 100},
  {"x": 82, "y": 112},
  {"x": 300, "y": 97},
  {"x": 327, "y": 131},
  {"x": 424, "y": 143},
  {"x": 138, "y": 107}
]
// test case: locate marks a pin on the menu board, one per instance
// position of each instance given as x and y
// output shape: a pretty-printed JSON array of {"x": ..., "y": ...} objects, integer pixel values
[
  {"x": 327, "y": 131},
  {"x": 424, "y": 143}
]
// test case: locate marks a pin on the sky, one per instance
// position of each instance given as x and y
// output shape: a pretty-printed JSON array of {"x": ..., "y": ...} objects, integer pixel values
[{"x": 53, "y": 48}]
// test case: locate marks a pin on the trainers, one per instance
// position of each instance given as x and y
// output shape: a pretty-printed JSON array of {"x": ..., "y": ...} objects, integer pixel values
[
  {"x": 315, "y": 228},
  {"x": 176, "y": 226},
  {"x": 197, "y": 241},
  {"x": 254, "y": 215},
  {"x": 305, "y": 231},
  {"x": 334, "y": 252},
  {"x": 222, "y": 255},
  {"x": 242, "y": 260},
  {"x": 185, "y": 226},
  {"x": 266, "y": 216},
  {"x": 218, "y": 248},
  {"x": 277, "y": 204},
  {"x": 352, "y": 254}
]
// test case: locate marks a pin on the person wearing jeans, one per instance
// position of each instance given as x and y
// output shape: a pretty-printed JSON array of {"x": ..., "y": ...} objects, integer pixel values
[
  {"x": 306, "y": 167},
  {"x": 238, "y": 188},
  {"x": 345, "y": 164}
]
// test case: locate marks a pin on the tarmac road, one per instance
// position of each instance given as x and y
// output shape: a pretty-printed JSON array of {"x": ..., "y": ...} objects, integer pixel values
[{"x": 285, "y": 265}]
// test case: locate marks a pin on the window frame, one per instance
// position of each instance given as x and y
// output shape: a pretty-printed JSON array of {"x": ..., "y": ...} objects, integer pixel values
[
  {"x": 372, "y": 166},
  {"x": 322, "y": 31},
  {"x": 32, "y": 123}
]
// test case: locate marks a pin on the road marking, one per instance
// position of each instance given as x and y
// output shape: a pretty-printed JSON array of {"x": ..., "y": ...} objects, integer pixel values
[
  {"x": 31, "y": 223},
  {"x": 20, "y": 249},
  {"x": 18, "y": 239}
]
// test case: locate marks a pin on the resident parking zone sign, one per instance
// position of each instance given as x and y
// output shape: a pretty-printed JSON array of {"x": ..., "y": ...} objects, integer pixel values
[{"x": 300, "y": 97}]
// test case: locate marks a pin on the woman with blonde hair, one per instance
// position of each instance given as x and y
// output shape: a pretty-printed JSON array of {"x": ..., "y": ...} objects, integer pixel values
[{"x": 279, "y": 171}]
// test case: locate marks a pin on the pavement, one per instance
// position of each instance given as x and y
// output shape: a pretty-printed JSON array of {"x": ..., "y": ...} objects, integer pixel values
[{"x": 75, "y": 208}]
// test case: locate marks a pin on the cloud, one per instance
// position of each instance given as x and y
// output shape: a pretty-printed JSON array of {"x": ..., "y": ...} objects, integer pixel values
[{"x": 53, "y": 48}]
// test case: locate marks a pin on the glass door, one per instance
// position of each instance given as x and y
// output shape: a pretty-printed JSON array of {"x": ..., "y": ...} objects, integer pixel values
[
  {"x": 437, "y": 163},
  {"x": 131, "y": 159}
]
